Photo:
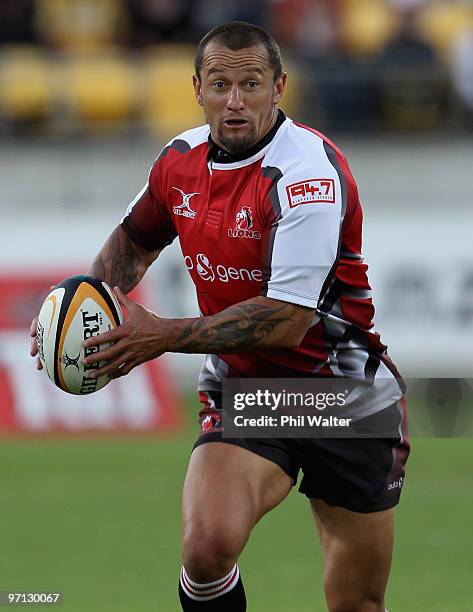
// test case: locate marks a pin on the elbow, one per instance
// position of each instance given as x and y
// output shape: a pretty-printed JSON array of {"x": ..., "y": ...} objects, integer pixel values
[{"x": 295, "y": 334}]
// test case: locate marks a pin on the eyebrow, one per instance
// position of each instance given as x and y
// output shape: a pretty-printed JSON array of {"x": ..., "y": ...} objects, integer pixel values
[{"x": 249, "y": 69}]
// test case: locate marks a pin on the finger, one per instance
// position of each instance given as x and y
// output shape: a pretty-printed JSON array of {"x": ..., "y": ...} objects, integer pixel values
[
  {"x": 107, "y": 354},
  {"x": 114, "y": 335},
  {"x": 34, "y": 343},
  {"x": 123, "y": 299},
  {"x": 109, "y": 368},
  {"x": 39, "y": 365},
  {"x": 125, "y": 369},
  {"x": 33, "y": 327}
]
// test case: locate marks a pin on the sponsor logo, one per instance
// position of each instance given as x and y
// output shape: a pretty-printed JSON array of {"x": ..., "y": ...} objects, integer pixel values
[
  {"x": 225, "y": 274},
  {"x": 243, "y": 225},
  {"x": 210, "y": 423},
  {"x": 204, "y": 268},
  {"x": 70, "y": 361},
  {"x": 184, "y": 209},
  {"x": 91, "y": 327},
  {"x": 312, "y": 191},
  {"x": 397, "y": 484}
]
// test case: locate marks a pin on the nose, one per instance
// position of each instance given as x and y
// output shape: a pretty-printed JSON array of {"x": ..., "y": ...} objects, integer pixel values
[{"x": 235, "y": 100}]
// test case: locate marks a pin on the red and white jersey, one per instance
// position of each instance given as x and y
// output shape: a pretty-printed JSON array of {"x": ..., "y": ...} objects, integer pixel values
[{"x": 284, "y": 222}]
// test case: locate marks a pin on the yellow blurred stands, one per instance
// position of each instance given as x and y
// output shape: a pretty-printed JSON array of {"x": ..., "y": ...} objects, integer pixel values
[
  {"x": 79, "y": 24},
  {"x": 101, "y": 89},
  {"x": 168, "y": 101},
  {"x": 83, "y": 80},
  {"x": 366, "y": 25},
  {"x": 98, "y": 89},
  {"x": 25, "y": 84},
  {"x": 442, "y": 22}
]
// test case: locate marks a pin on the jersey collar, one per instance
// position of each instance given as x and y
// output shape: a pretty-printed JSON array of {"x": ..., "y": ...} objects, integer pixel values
[{"x": 218, "y": 155}]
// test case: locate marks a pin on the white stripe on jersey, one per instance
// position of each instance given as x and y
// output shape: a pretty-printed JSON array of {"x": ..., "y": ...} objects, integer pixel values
[
  {"x": 300, "y": 266},
  {"x": 136, "y": 199},
  {"x": 194, "y": 137},
  {"x": 213, "y": 371}
]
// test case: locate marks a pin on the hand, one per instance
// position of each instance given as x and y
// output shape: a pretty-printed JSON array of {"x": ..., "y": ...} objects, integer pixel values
[
  {"x": 34, "y": 344},
  {"x": 141, "y": 337}
]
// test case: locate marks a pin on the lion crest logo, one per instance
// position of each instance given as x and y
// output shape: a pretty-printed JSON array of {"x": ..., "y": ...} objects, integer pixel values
[
  {"x": 244, "y": 218},
  {"x": 243, "y": 227}
]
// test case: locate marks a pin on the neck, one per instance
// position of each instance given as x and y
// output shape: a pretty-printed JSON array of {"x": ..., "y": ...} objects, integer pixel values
[{"x": 272, "y": 121}]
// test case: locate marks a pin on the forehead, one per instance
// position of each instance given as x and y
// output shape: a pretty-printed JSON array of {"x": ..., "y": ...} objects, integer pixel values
[{"x": 218, "y": 58}]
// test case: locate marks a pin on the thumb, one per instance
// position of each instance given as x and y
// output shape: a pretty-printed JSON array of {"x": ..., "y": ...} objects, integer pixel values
[{"x": 123, "y": 299}]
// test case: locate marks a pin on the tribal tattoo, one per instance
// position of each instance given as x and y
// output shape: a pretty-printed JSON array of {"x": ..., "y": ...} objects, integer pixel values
[
  {"x": 233, "y": 330},
  {"x": 118, "y": 262}
]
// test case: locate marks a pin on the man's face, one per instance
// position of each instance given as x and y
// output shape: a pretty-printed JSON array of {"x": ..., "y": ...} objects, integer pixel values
[{"x": 239, "y": 95}]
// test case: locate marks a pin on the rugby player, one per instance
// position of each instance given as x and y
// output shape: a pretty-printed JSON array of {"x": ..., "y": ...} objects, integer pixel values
[{"x": 269, "y": 221}]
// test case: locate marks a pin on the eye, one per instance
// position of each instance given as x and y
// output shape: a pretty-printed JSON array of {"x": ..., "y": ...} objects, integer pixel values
[
  {"x": 218, "y": 85},
  {"x": 252, "y": 84}
]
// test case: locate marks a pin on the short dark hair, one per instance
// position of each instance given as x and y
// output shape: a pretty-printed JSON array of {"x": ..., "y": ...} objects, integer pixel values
[{"x": 236, "y": 35}]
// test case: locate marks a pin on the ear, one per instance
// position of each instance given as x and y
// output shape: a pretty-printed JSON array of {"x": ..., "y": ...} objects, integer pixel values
[
  {"x": 197, "y": 89},
  {"x": 279, "y": 87}
]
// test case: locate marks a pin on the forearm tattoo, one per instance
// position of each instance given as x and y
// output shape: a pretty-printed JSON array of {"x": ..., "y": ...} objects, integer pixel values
[
  {"x": 233, "y": 330},
  {"x": 118, "y": 263}
]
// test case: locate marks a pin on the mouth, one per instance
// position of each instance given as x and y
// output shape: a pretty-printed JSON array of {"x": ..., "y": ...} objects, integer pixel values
[{"x": 235, "y": 123}]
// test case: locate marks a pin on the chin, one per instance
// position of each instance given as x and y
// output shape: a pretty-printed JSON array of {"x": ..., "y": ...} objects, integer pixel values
[{"x": 237, "y": 144}]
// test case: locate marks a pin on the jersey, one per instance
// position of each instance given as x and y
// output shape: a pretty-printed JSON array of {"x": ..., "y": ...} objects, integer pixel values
[{"x": 283, "y": 221}]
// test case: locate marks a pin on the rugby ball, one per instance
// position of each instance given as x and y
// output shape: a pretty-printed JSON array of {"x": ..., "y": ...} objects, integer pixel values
[{"x": 79, "y": 307}]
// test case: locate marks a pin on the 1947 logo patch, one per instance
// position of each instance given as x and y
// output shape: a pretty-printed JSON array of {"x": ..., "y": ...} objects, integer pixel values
[{"x": 312, "y": 191}]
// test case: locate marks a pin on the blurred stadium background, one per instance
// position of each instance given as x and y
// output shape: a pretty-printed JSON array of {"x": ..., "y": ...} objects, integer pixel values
[{"x": 89, "y": 93}]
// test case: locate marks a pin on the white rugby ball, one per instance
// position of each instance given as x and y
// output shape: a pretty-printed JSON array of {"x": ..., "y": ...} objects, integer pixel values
[{"x": 79, "y": 307}]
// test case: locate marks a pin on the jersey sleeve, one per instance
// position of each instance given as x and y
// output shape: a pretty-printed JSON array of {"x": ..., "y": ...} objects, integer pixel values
[
  {"x": 147, "y": 221},
  {"x": 309, "y": 205}
]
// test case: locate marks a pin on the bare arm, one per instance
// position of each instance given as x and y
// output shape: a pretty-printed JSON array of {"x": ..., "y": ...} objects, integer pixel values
[
  {"x": 258, "y": 323},
  {"x": 121, "y": 262}
]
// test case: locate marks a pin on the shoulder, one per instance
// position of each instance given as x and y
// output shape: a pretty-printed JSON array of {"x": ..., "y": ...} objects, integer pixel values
[
  {"x": 184, "y": 143},
  {"x": 300, "y": 146},
  {"x": 180, "y": 154},
  {"x": 305, "y": 167},
  {"x": 304, "y": 158}
]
